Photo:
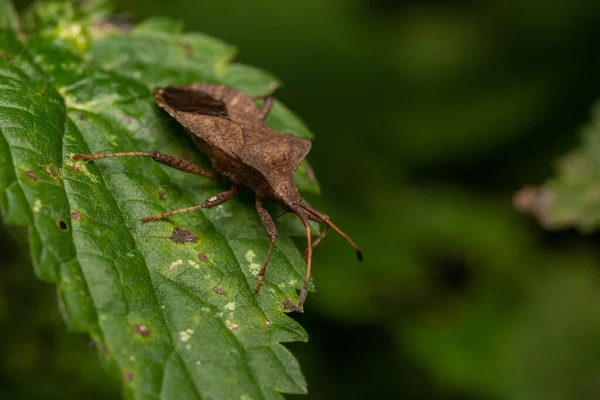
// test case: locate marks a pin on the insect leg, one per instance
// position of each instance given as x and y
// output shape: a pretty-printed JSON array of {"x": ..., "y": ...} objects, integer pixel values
[
  {"x": 269, "y": 225},
  {"x": 316, "y": 242},
  {"x": 212, "y": 202},
  {"x": 304, "y": 292},
  {"x": 165, "y": 159}
]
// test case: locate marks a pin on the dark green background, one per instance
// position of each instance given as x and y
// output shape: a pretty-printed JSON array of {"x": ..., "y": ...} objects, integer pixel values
[{"x": 428, "y": 115}]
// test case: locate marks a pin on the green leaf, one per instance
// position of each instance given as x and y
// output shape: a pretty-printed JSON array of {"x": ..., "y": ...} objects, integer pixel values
[
  {"x": 571, "y": 199},
  {"x": 169, "y": 304}
]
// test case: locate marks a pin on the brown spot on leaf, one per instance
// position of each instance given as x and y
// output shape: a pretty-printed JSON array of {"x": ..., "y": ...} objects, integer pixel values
[
  {"x": 82, "y": 117},
  {"x": 30, "y": 175},
  {"x": 141, "y": 330},
  {"x": 183, "y": 236},
  {"x": 202, "y": 257},
  {"x": 75, "y": 215},
  {"x": 128, "y": 377},
  {"x": 44, "y": 95},
  {"x": 62, "y": 225},
  {"x": 161, "y": 196},
  {"x": 219, "y": 291},
  {"x": 7, "y": 56}
]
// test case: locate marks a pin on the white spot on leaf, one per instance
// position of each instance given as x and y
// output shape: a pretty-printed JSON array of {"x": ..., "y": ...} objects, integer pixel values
[
  {"x": 252, "y": 266},
  {"x": 37, "y": 206},
  {"x": 174, "y": 264},
  {"x": 184, "y": 336},
  {"x": 221, "y": 213},
  {"x": 231, "y": 326},
  {"x": 194, "y": 264},
  {"x": 230, "y": 306}
]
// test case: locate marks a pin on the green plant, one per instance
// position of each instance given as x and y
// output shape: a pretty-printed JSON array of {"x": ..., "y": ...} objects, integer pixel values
[{"x": 168, "y": 304}]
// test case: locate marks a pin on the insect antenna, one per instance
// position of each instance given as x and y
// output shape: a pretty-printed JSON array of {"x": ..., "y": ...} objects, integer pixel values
[
  {"x": 359, "y": 254},
  {"x": 320, "y": 217}
]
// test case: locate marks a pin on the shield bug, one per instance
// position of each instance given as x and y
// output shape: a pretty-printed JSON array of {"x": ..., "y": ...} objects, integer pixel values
[{"x": 228, "y": 127}]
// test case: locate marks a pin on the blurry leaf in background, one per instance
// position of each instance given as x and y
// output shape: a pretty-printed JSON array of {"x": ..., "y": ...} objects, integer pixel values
[
  {"x": 572, "y": 198},
  {"x": 38, "y": 359}
]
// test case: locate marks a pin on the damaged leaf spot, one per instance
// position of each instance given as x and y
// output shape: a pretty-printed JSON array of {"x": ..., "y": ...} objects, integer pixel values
[
  {"x": 128, "y": 377},
  {"x": 186, "y": 335},
  {"x": 267, "y": 324},
  {"x": 29, "y": 174},
  {"x": 183, "y": 236},
  {"x": 253, "y": 266},
  {"x": 171, "y": 267},
  {"x": 75, "y": 215},
  {"x": 161, "y": 196},
  {"x": 202, "y": 257},
  {"x": 62, "y": 225},
  {"x": 231, "y": 326},
  {"x": 219, "y": 291},
  {"x": 141, "y": 330},
  {"x": 82, "y": 117},
  {"x": 37, "y": 206}
]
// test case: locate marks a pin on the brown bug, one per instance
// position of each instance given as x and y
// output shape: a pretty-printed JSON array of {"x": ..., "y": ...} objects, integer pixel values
[{"x": 227, "y": 126}]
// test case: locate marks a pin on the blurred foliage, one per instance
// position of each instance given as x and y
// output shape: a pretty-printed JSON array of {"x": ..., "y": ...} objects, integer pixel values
[
  {"x": 428, "y": 116},
  {"x": 572, "y": 198},
  {"x": 38, "y": 358}
]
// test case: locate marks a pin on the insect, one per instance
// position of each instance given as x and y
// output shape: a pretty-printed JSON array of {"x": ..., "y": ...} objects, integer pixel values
[{"x": 228, "y": 127}]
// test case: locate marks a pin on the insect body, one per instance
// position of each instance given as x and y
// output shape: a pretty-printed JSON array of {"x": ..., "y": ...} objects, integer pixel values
[{"x": 226, "y": 125}]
